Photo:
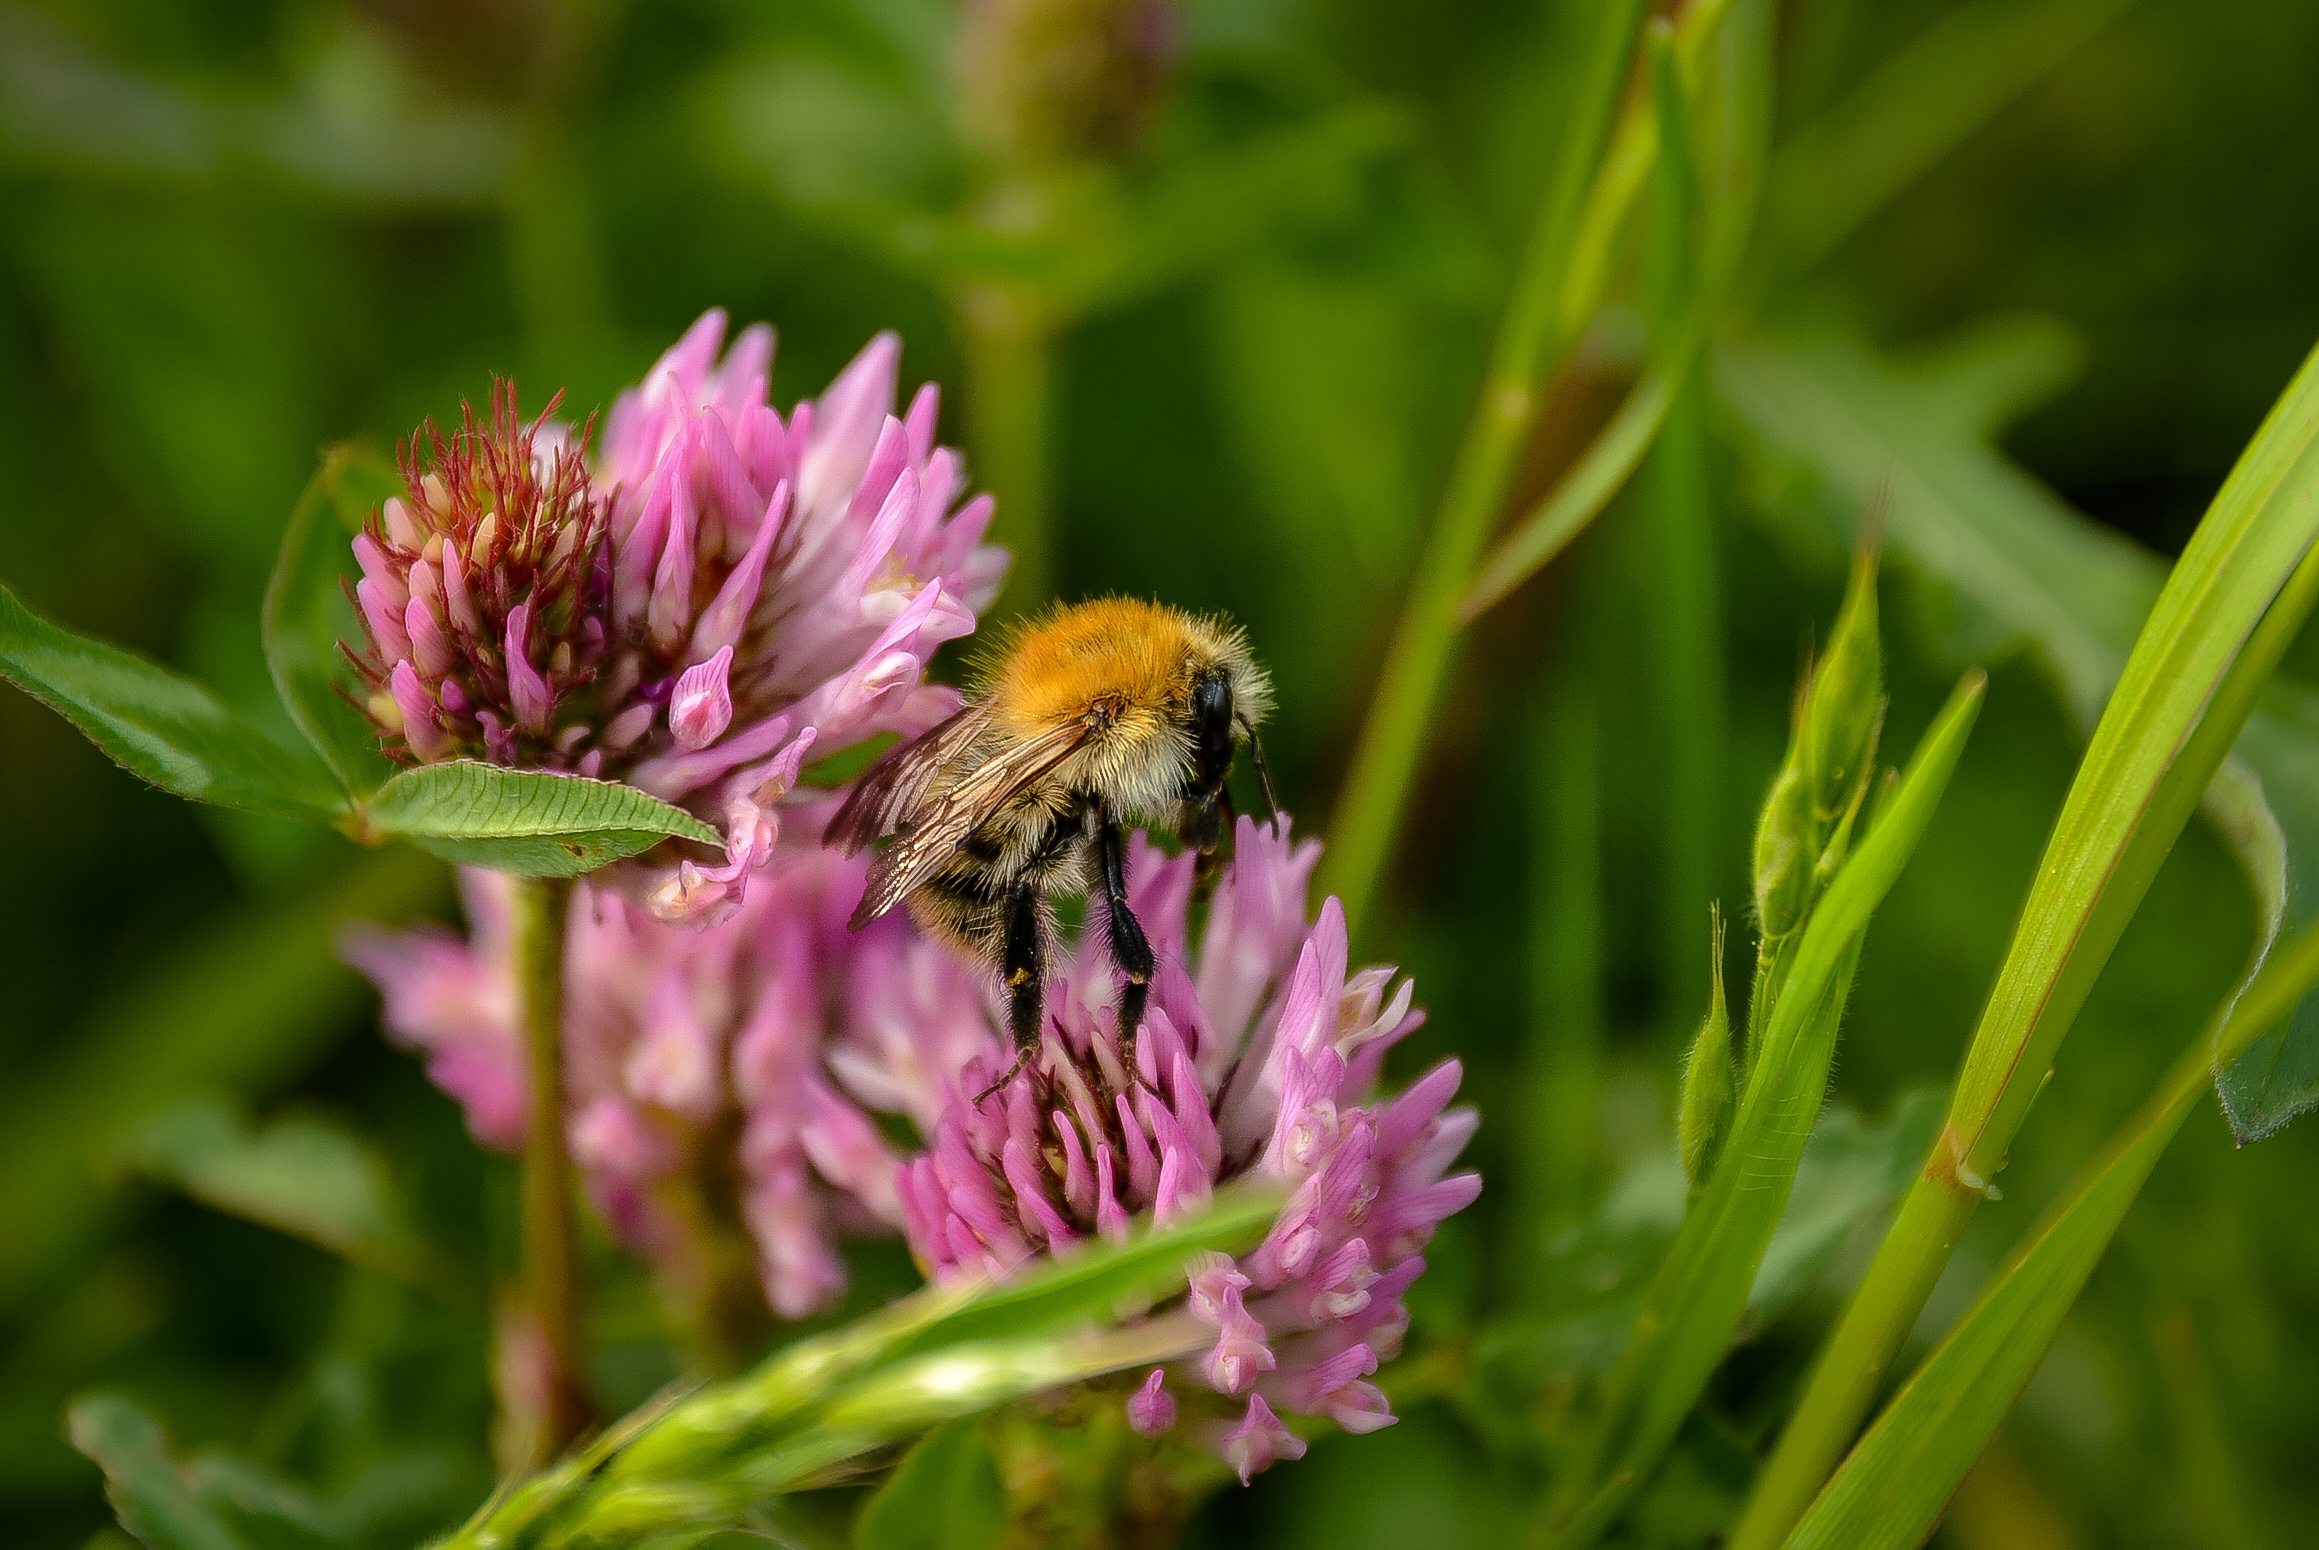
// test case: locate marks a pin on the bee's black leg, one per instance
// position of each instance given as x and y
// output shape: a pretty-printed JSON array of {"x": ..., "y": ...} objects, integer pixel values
[
  {"x": 1023, "y": 970},
  {"x": 1130, "y": 948}
]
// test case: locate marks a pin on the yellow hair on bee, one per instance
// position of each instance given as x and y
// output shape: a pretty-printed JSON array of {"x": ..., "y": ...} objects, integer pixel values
[{"x": 1120, "y": 649}]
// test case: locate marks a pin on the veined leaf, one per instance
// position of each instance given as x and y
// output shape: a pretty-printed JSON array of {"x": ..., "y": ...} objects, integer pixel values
[
  {"x": 307, "y": 614},
  {"x": 156, "y": 725},
  {"x": 529, "y": 822},
  {"x": 1891, "y": 1490}
]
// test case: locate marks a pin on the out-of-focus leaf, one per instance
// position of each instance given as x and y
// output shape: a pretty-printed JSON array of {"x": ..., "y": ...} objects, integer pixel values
[
  {"x": 524, "y": 821},
  {"x": 307, "y": 613},
  {"x": 304, "y": 1175},
  {"x": 944, "y": 1495},
  {"x": 239, "y": 1006},
  {"x": 1834, "y": 173},
  {"x": 1891, "y": 1490},
  {"x": 2017, "y": 566},
  {"x": 159, "y": 727},
  {"x": 357, "y": 123},
  {"x": 1578, "y": 496},
  {"x": 210, "y": 1505},
  {"x": 1851, "y": 1173}
]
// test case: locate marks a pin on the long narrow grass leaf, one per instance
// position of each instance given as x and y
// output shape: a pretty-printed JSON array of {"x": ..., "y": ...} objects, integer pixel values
[
  {"x": 1890, "y": 1492},
  {"x": 1701, "y": 1289}
]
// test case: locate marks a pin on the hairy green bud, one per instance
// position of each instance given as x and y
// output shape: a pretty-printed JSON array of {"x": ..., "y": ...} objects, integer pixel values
[
  {"x": 1786, "y": 846},
  {"x": 1844, "y": 707},
  {"x": 1710, "y": 1078}
]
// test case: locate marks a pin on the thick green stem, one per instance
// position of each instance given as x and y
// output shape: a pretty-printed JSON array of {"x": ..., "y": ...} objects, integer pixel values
[
  {"x": 1009, "y": 345},
  {"x": 1531, "y": 339},
  {"x": 554, "y": 1386}
]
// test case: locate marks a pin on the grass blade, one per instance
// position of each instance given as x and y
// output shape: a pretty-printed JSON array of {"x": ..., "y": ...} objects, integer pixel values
[
  {"x": 696, "y": 1461},
  {"x": 1833, "y": 174},
  {"x": 2180, "y": 702},
  {"x": 1702, "y": 1286},
  {"x": 1891, "y": 1490},
  {"x": 1532, "y": 337}
]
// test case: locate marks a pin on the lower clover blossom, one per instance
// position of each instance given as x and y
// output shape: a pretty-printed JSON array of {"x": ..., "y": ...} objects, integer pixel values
[
  {"x": 721, "y": 595},
  {"x": 716, "y": 1079},
  {"x": 1256, "y": 1060}
]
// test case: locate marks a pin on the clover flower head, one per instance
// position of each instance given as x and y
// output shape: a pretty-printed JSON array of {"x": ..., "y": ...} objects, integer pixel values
[
  {"x": 1256, "y": 1060},
  {"x": 722, "y": 595},
  {"x": 482, "y": 594}
]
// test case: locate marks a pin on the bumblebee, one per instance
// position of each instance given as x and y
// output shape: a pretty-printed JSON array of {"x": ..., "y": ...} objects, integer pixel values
[{"x": 1096, "y": 717}]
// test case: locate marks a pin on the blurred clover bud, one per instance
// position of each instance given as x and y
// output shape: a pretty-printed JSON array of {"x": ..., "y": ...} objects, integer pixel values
[
  {"x": 1711, "y": 1078},
  {"x": 1051, "y": 81}
]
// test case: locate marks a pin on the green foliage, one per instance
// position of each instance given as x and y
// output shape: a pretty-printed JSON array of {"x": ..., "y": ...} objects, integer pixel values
[
  {"x": 1894, "y": 1484},
  {"x": 158, "y": 726},
  {"x": 308, "y": 611},
  {"x": 945, "y": 1494},
  {"x": 1701, "y": 1288},
  {"x": 1710, "y": 1076},
  {"x": 1225, "y": 361},
  {"x": 697, "y": 1462},
  {"x": 529, "y": 822},
  {"x": 304, "y": 1175},
  {"x": 212, "y": 1505}
]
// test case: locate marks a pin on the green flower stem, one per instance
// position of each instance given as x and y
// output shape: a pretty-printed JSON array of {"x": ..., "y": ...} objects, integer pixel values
[
  {"x": 551, "y": 1298},
  {"x": 1932, "y": 1218},
  {"x": 1009, "y": 344},
  {"x": 1532, "y": 338}
]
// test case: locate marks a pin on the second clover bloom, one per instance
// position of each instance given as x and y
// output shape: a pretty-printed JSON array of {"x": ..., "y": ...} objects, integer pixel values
[
  {"x": 1258, "y": 1059},
  {"x": 724, "y": 594},
  {"x": 719, "y": 1081}
]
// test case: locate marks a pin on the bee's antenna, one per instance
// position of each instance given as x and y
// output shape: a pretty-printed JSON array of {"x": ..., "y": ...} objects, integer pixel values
[{"x": 1263, "y": 771}]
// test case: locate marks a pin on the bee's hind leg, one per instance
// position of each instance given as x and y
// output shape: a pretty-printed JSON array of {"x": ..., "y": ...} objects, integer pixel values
[
  {"x": 1023, "y": 970},
  {"x": 1130, "y": 948}
]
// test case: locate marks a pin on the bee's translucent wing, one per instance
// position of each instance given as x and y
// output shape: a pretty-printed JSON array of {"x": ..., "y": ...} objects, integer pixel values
[
  {"x": 935, "y": 833},
  {"x": 889, "y": 791}
]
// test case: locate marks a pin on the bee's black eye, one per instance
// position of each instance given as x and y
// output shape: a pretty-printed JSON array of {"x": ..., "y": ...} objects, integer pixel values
[{"x": 1212, "y": 727}]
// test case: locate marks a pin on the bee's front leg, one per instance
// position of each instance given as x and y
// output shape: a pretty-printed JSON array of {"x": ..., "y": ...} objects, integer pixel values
[{"x": 1130, "y": 948}]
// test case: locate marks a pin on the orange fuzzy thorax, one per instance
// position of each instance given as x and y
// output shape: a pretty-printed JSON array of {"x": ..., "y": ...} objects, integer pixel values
[{"x": 1139, "y": 656}]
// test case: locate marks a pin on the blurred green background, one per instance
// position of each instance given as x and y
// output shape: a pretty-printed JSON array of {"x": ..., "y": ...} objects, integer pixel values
[{"x": 1209, "y": 325}]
